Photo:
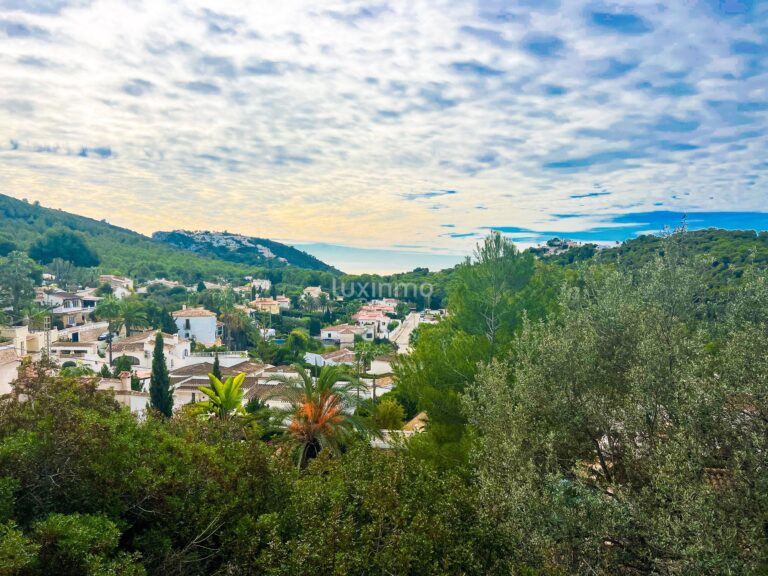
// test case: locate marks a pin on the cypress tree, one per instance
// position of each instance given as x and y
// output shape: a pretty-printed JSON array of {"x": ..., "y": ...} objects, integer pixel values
[
  {"x": 160, "y": 393},
  {"x": 216, "y": 367}
]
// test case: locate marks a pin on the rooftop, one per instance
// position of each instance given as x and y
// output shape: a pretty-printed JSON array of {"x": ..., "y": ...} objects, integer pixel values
[{"x": 193, "y": 313}]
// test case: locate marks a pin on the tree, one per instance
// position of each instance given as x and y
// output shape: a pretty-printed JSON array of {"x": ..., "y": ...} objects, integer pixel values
[
  {"x": 17, "y": 285},
  {"x": 319, "y": 415},
  {"x": 216, "y": 371},
  {"x": 487, "y": 297},
  {"x": 624, "y": 435},
  {"x": 201, "y": 286},
  {"x": 388, "y": 415},
  {"x": 109, "y": 310},
  {"x": 225, "y": 399},
  {"x": 160, "y": 391},
  {"x": 133, "y": 314},
  {"x": 105, "y": 289},
  {"x": 64, "y": 244}
]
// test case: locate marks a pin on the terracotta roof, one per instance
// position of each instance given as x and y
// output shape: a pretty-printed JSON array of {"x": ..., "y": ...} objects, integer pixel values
[
  {"x": 68, "y": 344},
  {"x": 180, "y": 376},
  {"x": 385, "y": 381},
  {"x": 193, "y": 313},
  {"x": 344, "y": 328},
  {"x": 137, "y": 341},
  {"x": 8, "y": 355},
  {"x": 340, "y": 356},
  {"x": 417, "y": 423}
]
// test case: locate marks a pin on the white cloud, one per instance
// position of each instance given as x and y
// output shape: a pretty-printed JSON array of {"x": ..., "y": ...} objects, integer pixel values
[{"x": 296, "y": 120}]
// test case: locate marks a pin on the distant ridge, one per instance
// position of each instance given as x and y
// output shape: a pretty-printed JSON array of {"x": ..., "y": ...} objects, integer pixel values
[
  {"x": 125, "y": 251},
  {"x": 242, "y": 249}
]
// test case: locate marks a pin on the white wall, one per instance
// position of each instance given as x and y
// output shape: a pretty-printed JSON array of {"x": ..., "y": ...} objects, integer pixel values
[
  {"x": 8, "y": 373},
  {"x": 202, "y": 329}
]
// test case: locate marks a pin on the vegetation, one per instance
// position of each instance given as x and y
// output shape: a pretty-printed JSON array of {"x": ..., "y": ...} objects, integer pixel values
[
  {"x": 602, "y": 413},
  {"x": 65, "y": 245},
  {"x": 18, "y": 276},
  {"x": 160, "y": 391},
  {"x": 115, "y": 249},
  {"x": 319, "y": 415}
]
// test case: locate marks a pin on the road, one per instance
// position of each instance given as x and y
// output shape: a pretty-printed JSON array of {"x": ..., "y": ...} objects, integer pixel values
[{"x": 402, "y": 335}]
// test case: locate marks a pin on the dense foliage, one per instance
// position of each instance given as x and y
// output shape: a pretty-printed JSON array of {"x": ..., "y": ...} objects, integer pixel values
[{"x": 88, "y": 489}]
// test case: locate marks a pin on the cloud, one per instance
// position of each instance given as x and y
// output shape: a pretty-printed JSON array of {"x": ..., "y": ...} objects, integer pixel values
[
  {"x": 137, "y": 87},
  {"x": 667, "y": 123},
  {"x": 361, "y": 13},
  {"x": 309, "y": 111},
  {"x": 612, "y": 68},
  {"x": 620, "y": 22},
  {"x": 476, "y": 69},
  {"x": 591, "y": 195},
  {"x": 99, "y": 152},
  {"x": 608, "y": 157},
  {"x": 489, "y": 35},
  {"x": 216, "y": 66},
  {"x": 543, "y": 45},
  {"x": 428, "y": 195},
  {"x": 18, "y": 29},
  {"x": 200, "y": 87}
]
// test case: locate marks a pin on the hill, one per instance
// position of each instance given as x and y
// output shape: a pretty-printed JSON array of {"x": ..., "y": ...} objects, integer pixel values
[
  {"x": 730, "y": 252},
  {"x": 31, "y": 227},
  {"x": 242, "y": 249}
]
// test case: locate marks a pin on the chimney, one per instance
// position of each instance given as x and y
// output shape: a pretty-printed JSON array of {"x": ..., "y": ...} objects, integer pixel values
[
  {"x": 125, "y": 380},
  {"x": 183, "y": 306}
]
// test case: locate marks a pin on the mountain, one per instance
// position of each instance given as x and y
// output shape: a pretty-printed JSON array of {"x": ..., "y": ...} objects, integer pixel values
[
  {"x": 242, "y": 249},
  {"x": 25, "y": 226}
]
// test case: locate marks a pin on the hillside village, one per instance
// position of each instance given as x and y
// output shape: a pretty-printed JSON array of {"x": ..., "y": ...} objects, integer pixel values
[{"x": 92, "y": 332}]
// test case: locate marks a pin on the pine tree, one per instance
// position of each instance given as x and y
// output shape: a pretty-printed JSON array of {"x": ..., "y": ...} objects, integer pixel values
[
  {"x": 160, "y": 393},
  {"x": 105, "y": 371},
  {"x": 216, "y": 367}
]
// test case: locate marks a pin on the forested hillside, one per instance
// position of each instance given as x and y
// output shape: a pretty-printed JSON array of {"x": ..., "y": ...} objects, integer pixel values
[
  {"x": 49, "y": 234},
  {"x": 729, "y": 252}
]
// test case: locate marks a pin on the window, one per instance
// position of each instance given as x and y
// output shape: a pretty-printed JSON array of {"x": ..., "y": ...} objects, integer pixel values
[{"x": 187, "y": 325}]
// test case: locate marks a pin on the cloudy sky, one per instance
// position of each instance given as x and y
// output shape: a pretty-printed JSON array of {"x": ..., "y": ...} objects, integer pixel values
[{"x": 412, "y": 126}]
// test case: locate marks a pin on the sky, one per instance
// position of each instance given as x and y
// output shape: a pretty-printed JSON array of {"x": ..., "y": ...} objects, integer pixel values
[{"x": 388, "y": 134}]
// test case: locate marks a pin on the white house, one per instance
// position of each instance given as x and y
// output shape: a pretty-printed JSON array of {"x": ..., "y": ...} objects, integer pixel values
[
  {"x": 66, "y": 307},
  {"x": 312, "y": 292},
  {"x": 283, "y": 302},
  {"x": 136, "y": 401},
  {"x": 9, "y": 364},
  {"x": 121, "y": 286},
  {"x": 139, "y": 349},
  {"x": 262, "y": 285},
  {"x": 334, "y": 358},
  {"x": 198, "y": 324},
  {"x": 344, "y": 334},
  {"x": 375, "y": 319}
]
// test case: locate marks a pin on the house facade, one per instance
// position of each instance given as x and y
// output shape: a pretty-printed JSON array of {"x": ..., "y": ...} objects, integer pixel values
[{"x": 197, "y": 324}]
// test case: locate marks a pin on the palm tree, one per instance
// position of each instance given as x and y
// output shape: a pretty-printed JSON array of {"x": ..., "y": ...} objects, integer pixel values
[
  {"x": 133, "y": 315},
  {"x": 320, "y": 414},
  {"x": 109, "y": 310},
  {"x": 365, "y": 354},
  {"x": 225, "y": 399}
]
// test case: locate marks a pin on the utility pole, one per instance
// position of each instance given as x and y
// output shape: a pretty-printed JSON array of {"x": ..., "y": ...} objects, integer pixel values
[{"x": 47, "y": 328}]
